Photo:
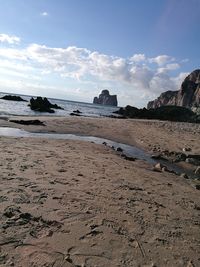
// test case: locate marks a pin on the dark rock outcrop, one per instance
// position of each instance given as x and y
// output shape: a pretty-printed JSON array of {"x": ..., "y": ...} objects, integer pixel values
[
  {"x": 188, "y": 95},
  {"x": 28, "y": 122},
  {"x": 43, "y": 105},
  {"x": 170, "y": 113},
  {"x": 105, "y": 99},
  {"x": 74, "y": 114},
  {"x": 13, "y": 98},
  {"x": 77, "y": 111}
]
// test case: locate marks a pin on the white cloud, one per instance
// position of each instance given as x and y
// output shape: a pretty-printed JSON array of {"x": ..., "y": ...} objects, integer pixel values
[
  {"x": 161, "y": 60},
  {"x": 161, "y": 82},
  {"x": 11, "y": 69},
  {"x": 138, "y": 58},
  {"x": 137, "y": 76},
  {"x": 172, "y": 66},
  {"x": 141, "y": 76},
  {"x": 179, "y": 79},
  {"x": 11, "y": 53},
  {"x": 17, "y": 66},
  {"x": 44, "y": 14},
  {"x": 77, "y": 62},
  {"x": 185, "y": 60},
  {"x": 10, "y": 39},
  {"x": 169, "y": 67}
]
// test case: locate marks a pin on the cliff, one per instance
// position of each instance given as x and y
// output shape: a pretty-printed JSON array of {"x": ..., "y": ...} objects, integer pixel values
[
  {"x": 188, "y": 95},
  {"x": 105, "y": 99}
]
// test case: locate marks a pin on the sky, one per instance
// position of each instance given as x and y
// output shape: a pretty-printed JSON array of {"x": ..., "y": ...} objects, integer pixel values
[{"x": 73, "y": 49}]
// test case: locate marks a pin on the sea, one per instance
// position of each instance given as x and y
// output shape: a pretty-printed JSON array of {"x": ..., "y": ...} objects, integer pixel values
[{"x": 8, "y": 108}]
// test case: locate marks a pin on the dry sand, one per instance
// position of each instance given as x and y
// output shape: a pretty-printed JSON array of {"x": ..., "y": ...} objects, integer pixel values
[{"x": 73, "y": 203}]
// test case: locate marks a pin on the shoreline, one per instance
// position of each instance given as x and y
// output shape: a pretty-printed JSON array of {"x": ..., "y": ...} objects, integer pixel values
[
  {"x": 133, "y": 132},
  {"x": 75, "y": 203},
  {"x": 129, "y": 131}
]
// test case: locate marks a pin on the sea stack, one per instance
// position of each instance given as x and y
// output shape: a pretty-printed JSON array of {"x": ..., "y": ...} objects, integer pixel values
[
  {"x": 188, "y": 96},
  {"x": 105, "y": 99}
]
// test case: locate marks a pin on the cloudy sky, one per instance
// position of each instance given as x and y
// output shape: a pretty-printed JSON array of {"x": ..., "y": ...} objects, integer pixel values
[{"x": 72, "y": 49}]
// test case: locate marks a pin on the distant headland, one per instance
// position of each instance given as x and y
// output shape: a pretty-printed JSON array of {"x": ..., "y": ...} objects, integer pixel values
[{"x": 105, "y": 99}]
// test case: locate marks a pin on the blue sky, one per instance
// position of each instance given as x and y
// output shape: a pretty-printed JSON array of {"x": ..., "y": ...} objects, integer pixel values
[{"x": 72, "y": 49}]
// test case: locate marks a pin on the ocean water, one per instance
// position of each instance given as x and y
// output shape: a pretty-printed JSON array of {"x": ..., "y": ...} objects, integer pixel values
[{"x": 22, "y": 108}]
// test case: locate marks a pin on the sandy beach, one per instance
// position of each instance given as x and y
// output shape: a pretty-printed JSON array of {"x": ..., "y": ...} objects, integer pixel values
[{"x": 75, "y": 203}]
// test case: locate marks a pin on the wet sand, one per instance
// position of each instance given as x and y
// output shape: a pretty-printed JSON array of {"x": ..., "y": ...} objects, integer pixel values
[{"x": 73, "y": 203}]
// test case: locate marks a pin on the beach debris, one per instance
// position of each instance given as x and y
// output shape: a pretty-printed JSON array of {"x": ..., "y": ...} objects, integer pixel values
[
  {"x": 43, "y": 105},
  {"x": 28, "y": 122}
]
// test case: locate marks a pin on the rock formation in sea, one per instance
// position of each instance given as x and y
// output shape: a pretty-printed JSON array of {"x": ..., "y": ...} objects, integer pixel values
[
  {"x": 188, "y": 96},
  {"x": 13, "y": 98},
  {"x": 42, "y": 105},
  {"x": 105, "y": 99}
]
